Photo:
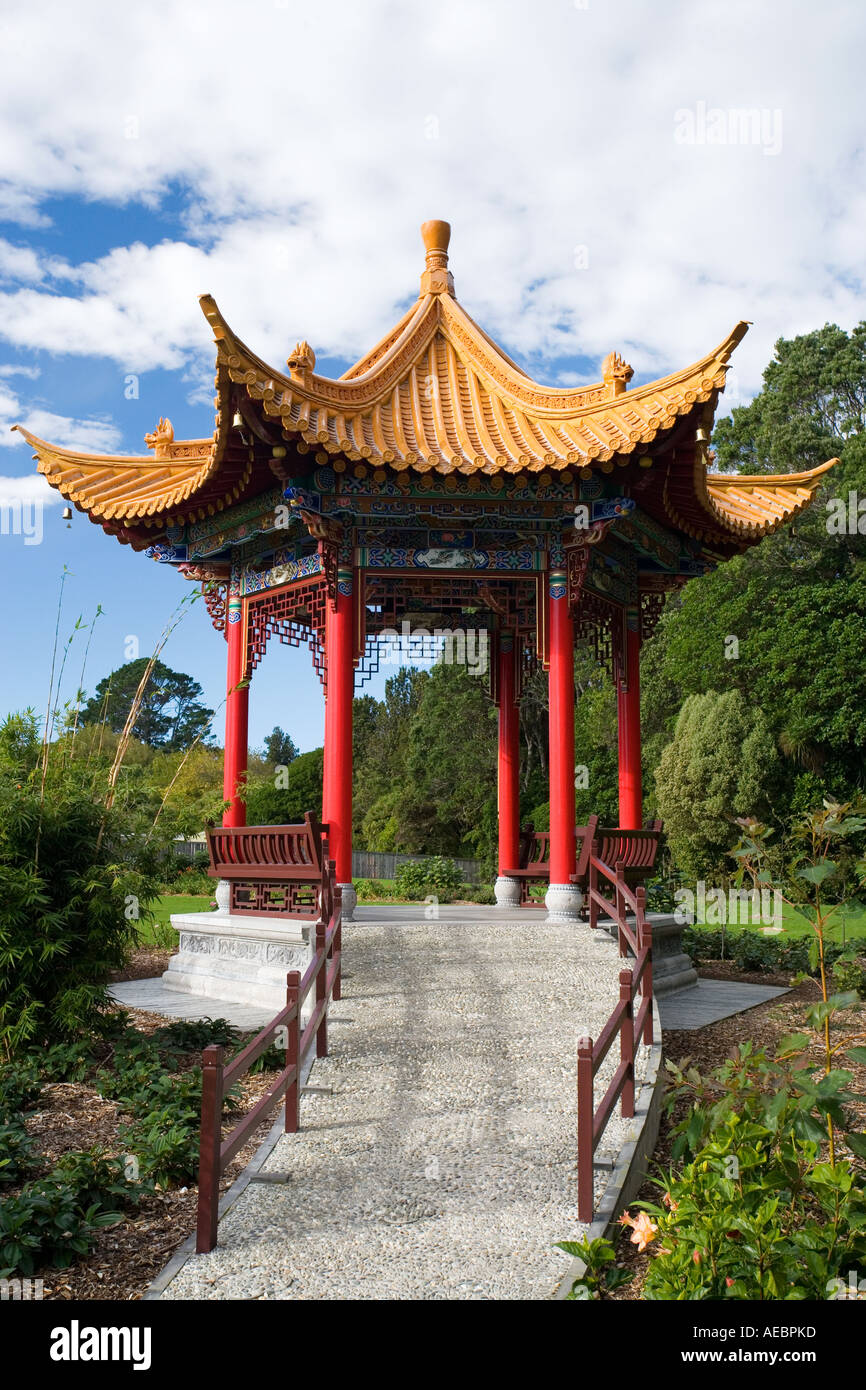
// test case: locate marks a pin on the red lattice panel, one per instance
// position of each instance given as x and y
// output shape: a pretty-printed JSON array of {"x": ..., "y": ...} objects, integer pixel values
[
  {"x": 294, "y": 614},
  {"x": 275, "y": 899},
  {"x": 511, "y": 600},
  {"x": 602, "y": 624}
]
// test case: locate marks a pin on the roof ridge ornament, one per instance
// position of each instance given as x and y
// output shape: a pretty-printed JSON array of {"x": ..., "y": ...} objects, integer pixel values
[
  {"x": 161, "y": 439},
  {"x": 300, "y": 362},
  {"x": 616, "y": 373},
  {"x": 437, "y": 278}
]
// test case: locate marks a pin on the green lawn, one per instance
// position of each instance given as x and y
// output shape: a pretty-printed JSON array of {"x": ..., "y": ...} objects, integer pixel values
[
  {"x": 160, "y": 932},
  {"x": 844, "y": 923}
]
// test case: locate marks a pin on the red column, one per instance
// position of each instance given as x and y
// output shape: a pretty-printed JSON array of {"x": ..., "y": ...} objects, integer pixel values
[
  {"x": 561, "y": 717},
  {"x": 628, "y": 715},
  {"x": 337, "y": 774},
  {"x": 237, "y": 715},
  {"x": 509, "y": 759}
]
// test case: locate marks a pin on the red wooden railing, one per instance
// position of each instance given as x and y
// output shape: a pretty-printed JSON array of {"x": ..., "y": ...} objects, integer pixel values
[
  {"x": 216, "y": 1152},
  {"x": 631, "y": 1027}
]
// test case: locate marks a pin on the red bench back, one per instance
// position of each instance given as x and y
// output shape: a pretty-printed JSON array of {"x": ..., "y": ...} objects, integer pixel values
[
  {"x": 634, "y": 849},
  {"x": 266, "y": 851},
  {"x": 535, "y": 846}
]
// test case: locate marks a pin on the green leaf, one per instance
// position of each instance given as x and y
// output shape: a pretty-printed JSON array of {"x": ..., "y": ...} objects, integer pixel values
[{"x": 817, "y": 873}]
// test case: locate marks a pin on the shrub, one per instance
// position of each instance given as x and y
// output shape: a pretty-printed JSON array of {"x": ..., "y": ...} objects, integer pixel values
[
  {"x": 478, "y": 893},
  {"x": 19, "y": 1087},
  {"x": 165, "y": 1139},
  {"x": 752, "y": 951},
  {"x": 17, "y": 1158},
  {"x": 722, "y": 762},
  {"x": 70, "y": 871},
  {"x": 849, "y": 973},
  {"x": 191, "y": 1035},
  {"x": 54, "y": 1219},
  {"x": 432, "y": 877},
  {"x": 755, "y": 1213},
  {"x": 374, "y": 889}
]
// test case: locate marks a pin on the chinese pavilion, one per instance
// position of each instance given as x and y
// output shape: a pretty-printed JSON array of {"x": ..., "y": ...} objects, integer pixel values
[{"x": 436, "y": 484}]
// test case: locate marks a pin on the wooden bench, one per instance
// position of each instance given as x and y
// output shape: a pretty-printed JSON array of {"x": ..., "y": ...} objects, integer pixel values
[
  {"x": 534, "y": 858},
  {"x": 636, "y": 850},
  {"x": 273, "y": 870}
]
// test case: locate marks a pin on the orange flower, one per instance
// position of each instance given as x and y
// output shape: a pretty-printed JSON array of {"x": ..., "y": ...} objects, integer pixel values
[
  {"x": 669, "y": 1202},
  {"x": 729, "y": 1281},
  {"x": 697, "y": 1257},
  {"x": 643, "y": 1229}
]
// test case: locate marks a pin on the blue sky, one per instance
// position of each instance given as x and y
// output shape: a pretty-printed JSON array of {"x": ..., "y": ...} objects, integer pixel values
[{"x": 604, "y": 187}]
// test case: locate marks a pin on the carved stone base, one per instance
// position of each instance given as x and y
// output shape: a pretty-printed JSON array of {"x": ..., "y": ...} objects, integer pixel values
[
  {"x": 239, "y": 958},
  {"x": 507, "y": 892},
  {"x": 672, "y": 968},
  {"x": 350, "y": 902},
  {"x": 563, "y": 902}
]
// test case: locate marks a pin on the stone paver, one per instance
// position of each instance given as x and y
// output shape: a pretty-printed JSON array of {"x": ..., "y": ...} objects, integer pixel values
[
  {"x": 711, "y": 1000},
  {"x": 441, "y": 1163},
  {"x": 153, "y": 997}
]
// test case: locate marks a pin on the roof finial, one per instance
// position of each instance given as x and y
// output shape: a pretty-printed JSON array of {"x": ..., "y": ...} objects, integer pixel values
[
  {"x": 616, "y": 373},
  {"x": 437, "y": 278}
]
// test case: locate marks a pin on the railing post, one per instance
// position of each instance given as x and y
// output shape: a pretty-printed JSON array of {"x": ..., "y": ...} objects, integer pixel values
[
  {"x": 593, "y": 885},
  {"x": 209, "y": 1148},
  {"x": 645, "y": 938},
  {"x": 321, "y": 988},
  {"x": 626, "y": 1042},
  {"x": 338, "y": 943},
  {"x": 293, "y": 1092},
  {"x": 585, "y": 1193},
  {"x": 620, "y": 906}
]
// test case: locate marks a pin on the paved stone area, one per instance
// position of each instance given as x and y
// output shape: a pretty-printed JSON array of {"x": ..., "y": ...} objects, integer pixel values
[
  {"x": 439, "y": 1160},
  {"x": 153, "y": 997},
  {"x": 711, "y": 1000}
]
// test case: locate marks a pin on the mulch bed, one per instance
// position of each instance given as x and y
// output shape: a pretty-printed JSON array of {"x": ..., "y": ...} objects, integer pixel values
[{"x": 127, "y": 1257}]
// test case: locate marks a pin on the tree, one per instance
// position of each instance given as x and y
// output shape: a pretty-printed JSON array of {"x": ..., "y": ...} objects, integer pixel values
[
  {"x": 171, "y": 714},
  {"x": 796, "y": 603},
  {"x": 270, "y": 804},
  {"x": 279, "y": 748},
  {"x": 449, "y": 796},
  {"x": 721, "y": 763}
]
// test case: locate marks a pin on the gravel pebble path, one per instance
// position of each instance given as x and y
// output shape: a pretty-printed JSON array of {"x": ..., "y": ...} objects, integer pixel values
[{"x": 442, "y": 1165}]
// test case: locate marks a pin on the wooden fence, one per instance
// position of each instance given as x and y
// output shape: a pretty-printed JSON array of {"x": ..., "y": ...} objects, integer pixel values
[
  {"x": 631, "y": 1020},
  {"x": 216, "y": 1151}
]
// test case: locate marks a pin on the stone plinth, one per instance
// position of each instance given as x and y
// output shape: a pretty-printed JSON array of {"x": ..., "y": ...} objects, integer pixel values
[
  {"x": 507, "y": 892},
  {"x": 238, "y": 957},
  {"x": 672, "y": 968}
]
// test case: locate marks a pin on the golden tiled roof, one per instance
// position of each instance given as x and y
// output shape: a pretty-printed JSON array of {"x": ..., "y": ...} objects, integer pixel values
[
  {"x": 435, "y": 395},
  {"x": 755, "y": 504}
]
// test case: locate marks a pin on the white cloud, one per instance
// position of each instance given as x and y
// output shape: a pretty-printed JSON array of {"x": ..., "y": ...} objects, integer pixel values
[
  {"x": 18, "y": 369},
  {"x": 17, "y": 491},
  {"x": 314, "y": 142},
  {"x": 93, "y": 436}
]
